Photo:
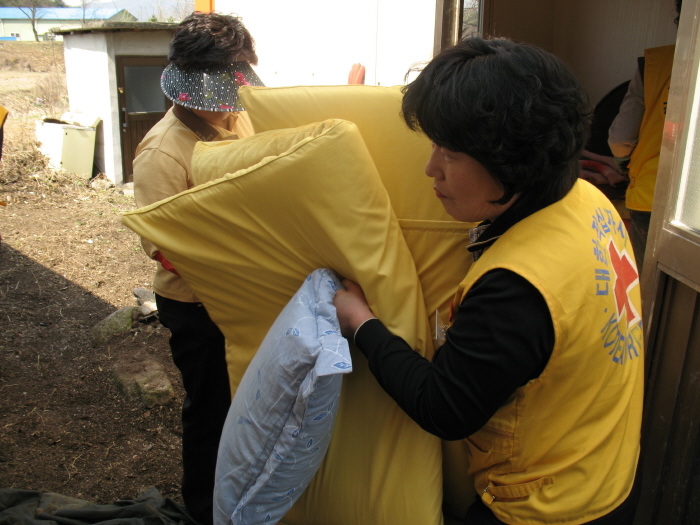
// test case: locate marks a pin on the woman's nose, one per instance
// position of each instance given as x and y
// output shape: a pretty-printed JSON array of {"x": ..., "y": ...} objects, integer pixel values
[{"x": 431, "y": 168}]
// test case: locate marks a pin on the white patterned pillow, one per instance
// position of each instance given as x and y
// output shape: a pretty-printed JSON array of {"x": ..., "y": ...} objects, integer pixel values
[{"x": 281, "y": 419}]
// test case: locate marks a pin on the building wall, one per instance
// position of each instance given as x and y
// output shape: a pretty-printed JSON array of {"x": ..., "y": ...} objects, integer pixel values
[
  {"x": 316, "y": 42},
  {"x": 599, "y": 39},
  {"x": 91, "y": 78},
  {"x": 88, "y": 82},
  {"x": 531, "y": 22},
  {"x": 46, "y": 26},
  {"x": 24, "y": 27}
]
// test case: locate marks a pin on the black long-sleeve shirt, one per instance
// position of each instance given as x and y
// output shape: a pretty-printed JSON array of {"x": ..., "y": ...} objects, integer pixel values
[{"x": 502, "y": 336}]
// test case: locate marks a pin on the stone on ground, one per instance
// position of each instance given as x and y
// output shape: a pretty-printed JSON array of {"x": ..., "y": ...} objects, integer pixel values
[
  {"x": 143, "y": 381},
  {"x": 116, "y": 323}
]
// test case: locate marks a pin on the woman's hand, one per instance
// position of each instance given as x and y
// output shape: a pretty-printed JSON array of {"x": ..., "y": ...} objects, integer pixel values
[
  {"x": 351, "y": 307},
  {"x": 357, "y": 74}
]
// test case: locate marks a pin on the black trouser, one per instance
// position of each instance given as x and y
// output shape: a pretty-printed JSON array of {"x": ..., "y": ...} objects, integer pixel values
[
  {"x": 199, "y": 351},
  {"x": 639, "y": 231}
]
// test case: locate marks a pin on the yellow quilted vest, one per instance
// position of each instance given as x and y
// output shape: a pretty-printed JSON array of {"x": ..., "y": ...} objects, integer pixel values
[
  {"x": 644, "y": 161},
  {"x": 564, "y": 448}
]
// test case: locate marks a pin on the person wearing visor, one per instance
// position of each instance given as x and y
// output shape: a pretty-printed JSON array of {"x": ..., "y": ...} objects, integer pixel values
[{"x": 210, "y": 58}]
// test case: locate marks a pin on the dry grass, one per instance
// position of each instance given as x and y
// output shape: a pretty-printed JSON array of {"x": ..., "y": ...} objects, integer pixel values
[
  {"x": 31, "y": 56},
  {"x": 50, "y": 92},
  {"x": 21, "y": 159},
  {"x": 35, "y": 89}
]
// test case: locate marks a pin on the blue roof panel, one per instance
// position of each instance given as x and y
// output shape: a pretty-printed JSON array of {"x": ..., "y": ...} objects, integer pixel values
[{"x": 57, "y": 13}]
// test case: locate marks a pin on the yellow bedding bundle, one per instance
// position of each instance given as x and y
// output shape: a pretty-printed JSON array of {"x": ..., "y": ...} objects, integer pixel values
[{"x": 331, "y": 179}]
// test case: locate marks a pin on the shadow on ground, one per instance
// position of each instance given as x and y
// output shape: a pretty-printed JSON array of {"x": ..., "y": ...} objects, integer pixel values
[{"x": 64, "y": 427}]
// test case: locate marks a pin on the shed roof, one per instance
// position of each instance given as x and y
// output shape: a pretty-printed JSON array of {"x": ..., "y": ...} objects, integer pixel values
[
  {"x": 114, "y": 27},
  {"x": 60, "y": 13}
]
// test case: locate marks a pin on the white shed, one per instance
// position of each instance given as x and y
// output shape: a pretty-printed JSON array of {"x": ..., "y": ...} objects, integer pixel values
[{"x": 113, "y": 73}]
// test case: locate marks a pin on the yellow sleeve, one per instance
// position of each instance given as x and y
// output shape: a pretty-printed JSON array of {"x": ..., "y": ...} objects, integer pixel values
[
  {"x": 3, "y": 116},
  {"x": 157, "y": 176}
]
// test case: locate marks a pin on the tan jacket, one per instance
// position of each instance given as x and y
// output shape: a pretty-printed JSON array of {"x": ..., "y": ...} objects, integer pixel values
[{"x": 162, "y": 168}]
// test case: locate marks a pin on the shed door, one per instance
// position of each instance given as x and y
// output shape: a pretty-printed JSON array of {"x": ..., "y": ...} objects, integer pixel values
[
  {"x": 141, "y": 102},
  {"x": 671, "y": 297}
]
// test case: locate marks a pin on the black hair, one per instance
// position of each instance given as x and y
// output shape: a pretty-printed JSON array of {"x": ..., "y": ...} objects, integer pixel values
[
  {"x": 513, "y": 107},
  {"x": 210, "y": 41},
  {"x": 678, "y": 10}
]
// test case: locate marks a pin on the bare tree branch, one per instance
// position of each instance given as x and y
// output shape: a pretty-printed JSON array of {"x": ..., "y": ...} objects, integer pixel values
[
  {"x": 84, "y": 4},
  {"x": 32, "y": 9}
]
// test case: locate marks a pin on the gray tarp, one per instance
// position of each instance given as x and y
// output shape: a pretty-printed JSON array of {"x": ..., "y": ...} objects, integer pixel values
[{"x": 30, "y": 507}]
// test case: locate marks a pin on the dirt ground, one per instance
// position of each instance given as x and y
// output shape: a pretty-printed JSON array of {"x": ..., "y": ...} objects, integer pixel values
[{"x": 66, "y": 262}]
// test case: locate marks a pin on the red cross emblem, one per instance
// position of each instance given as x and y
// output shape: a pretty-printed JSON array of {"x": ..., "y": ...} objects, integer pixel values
[{"x": 626, "y": 278}]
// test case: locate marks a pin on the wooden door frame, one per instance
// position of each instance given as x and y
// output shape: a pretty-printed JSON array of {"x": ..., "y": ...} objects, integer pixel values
[
  {"x": 670, "y": 284},
  {"x": 125, "y": 139},
  {"x": 448, "y": 24},
  {"x": 449, "y": 18}
]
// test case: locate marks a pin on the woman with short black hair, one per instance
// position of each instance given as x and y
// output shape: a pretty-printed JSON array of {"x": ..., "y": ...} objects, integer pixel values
[
  {"x": 541, "y": 372},
  {"x": 531, "y": 144}
]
